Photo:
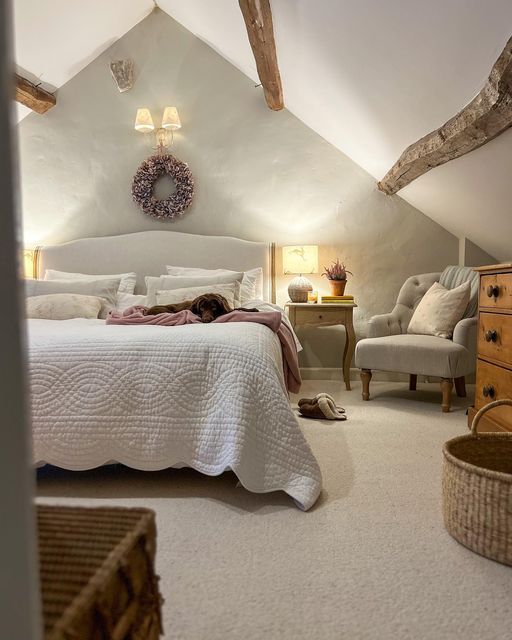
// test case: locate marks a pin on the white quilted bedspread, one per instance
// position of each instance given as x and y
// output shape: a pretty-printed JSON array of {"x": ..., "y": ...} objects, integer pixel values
[{"x": 211, "y": 397}]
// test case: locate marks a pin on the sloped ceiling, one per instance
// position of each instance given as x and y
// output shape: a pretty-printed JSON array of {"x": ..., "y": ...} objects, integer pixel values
[
  {"x": 371, "y": 77},
  {"x": 55, "y": 39}
]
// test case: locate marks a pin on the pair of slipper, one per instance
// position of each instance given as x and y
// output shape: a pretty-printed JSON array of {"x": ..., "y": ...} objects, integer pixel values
[{"x": 322, "y": 407}]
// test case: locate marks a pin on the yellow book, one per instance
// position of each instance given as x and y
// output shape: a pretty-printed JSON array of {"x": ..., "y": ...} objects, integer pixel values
[{"x": 339, "y": 302}]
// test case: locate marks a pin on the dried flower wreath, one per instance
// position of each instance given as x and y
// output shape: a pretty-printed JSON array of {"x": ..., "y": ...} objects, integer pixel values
[{"x": 144, "y": 182}]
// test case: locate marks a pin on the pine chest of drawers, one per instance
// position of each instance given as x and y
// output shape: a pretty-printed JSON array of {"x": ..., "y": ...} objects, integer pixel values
[{"x": 494, "y": 347}]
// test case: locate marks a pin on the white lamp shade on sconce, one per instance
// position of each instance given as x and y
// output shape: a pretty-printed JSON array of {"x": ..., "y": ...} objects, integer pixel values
[
  {"x": 300, "y": 259},
  {"x": 144, "y": 121},
  {"x": 171, "y": 119},
  {"x": 29, "y": 263}
]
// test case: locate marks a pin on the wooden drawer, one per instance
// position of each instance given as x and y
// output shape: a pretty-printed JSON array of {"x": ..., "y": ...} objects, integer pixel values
[
  {"x": 502, "y": 285},
  {"x": 486, "y": 423},
  {"x": 495, "y": 337},
  {"x": 498, "y": 381},
  {"x": 320, "y": 316}
]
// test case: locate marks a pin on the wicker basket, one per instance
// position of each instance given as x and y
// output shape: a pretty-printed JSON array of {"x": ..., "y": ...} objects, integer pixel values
[
  {"x": 477, "y": 490},
  {"x": 97, "y": 573}
]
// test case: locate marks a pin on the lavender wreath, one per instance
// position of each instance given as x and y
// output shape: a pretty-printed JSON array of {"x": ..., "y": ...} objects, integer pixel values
[{"x": 144, "y": 184}]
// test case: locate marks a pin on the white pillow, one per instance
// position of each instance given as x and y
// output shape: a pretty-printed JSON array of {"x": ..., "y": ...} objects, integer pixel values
[
  {"x": 101, "y": 288},
  {"x": 439, "y": 310},
  {"x": 168, "y": 283},
  {"x": 180, "y": 295},
  {"x": 126, "y": 285},
  {"x": 127, "y": 300},
  {"x": 251, "y": 286},
  {"x": 63, "y": 306}
]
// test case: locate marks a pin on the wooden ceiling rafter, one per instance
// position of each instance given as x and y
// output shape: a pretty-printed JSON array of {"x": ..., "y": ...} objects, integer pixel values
[
  {"x": 487, "y": 116},
  {"x": 32, "y": 96},
  {"x": 260, "y": 29}
]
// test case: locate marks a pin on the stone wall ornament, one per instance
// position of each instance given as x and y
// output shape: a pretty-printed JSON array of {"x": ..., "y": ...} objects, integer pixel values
[
  {"x": 144, "y": 181},
  {"x": 122, "y": 72}
]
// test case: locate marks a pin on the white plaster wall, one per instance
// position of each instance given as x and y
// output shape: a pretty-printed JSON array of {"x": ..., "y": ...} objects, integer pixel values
[
  {"x": 474, "y": 256},
  {"x": 259, "y": 175},
  {"x": 379, "y": 76}
]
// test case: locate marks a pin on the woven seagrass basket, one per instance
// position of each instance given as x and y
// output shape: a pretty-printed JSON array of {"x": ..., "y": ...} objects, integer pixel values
[
  {"x": 477, "y": 490},
  {"x": 96, "y": 567}
]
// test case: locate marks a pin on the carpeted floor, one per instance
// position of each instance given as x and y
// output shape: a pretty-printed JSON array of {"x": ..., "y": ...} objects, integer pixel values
[{"x": 370, "y": 560}]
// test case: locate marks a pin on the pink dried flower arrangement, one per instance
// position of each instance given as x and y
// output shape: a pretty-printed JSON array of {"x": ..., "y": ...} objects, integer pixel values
[{"x": 337, "y": 271}]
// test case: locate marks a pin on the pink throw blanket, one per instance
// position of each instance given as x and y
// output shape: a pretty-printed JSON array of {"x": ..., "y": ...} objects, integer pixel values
[{"x": 271, "y": 319}]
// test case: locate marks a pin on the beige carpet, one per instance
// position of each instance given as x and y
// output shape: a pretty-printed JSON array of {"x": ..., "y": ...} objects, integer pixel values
[{"x": 371, "y": 560}]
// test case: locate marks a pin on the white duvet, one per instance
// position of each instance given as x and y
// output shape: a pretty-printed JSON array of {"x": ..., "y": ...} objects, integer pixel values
[{"x": 211, "y": 397}]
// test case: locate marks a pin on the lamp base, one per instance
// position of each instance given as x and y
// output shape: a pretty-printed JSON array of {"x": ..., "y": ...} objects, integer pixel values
[{"x": 298, "y": 289}]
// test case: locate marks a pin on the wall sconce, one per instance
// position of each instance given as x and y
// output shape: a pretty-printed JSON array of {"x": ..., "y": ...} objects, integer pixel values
[
  {"x": 30, "y": 263},
  {"x": 299, "y": 260},
  {"x": 164, "y": 134}
]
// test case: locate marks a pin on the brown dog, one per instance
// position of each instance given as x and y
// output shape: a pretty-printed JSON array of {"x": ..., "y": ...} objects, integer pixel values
[{"x": 208, "y": 307}]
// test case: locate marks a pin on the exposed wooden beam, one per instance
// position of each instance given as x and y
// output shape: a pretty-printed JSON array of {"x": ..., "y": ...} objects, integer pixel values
[
  {"x": 33, "y": 97},
  {"x": 484, "y": 118},
  {"x": 260, "y": 29}
]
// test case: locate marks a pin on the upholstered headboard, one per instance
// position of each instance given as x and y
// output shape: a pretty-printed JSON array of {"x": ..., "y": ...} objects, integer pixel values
[{"x": 148, "y": 252}]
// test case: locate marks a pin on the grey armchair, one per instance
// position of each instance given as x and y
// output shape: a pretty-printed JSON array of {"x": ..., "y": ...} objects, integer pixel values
[{"x": 390, "y": 348}]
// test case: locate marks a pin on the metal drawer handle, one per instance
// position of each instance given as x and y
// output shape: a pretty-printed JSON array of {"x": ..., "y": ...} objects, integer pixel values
[
  {"x": 488, "y": 391},
  {"x": 493, "y": 291},
  {"x": 491, "y": 335}
]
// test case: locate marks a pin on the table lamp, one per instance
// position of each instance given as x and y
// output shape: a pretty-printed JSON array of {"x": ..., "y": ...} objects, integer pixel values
[{"x": 300, "y": 259}]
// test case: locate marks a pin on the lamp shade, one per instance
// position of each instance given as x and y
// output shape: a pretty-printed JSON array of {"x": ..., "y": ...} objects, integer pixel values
[
  {"x": 144, "y": 121},
  {"x": 171, "y": 119},
  {"x": 29, "y": 263},
  {"x": 300, "y": 259}
]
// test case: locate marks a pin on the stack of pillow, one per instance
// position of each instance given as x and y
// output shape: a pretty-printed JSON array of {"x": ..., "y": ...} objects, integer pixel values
[
  {"x": 186, "y": 283},
  {"x": 63, "y": 295}
]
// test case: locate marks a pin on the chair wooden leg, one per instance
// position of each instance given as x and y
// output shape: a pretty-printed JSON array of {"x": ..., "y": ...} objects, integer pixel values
[
  {"x": 413, "y": 378},
  {"x": 446, "y": 388},
  {"x": 460, "y": 386},
  {"x": 366, "y": 376}
]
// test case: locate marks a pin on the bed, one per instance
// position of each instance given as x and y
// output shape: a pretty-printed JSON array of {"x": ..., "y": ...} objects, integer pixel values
[{"x": 208, "y": 396}]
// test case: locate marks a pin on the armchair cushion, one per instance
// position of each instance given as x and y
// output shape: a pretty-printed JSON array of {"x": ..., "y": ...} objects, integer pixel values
[
  {"x": 439, "y": 310},
  {"x": 406, "y": 353}
]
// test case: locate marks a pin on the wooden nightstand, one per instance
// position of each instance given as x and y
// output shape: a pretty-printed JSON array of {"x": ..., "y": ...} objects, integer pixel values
[{"x": 324, "y": 315}]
